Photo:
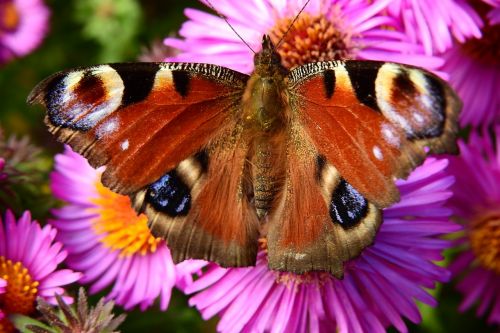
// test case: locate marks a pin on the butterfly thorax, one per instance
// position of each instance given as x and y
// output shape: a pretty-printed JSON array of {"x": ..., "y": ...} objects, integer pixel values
[
  {"x": 264, "y": 100},
  {"x": 265, "y": 121}
]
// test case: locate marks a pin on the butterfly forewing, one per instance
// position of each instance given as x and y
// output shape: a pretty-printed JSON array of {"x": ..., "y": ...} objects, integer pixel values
[{"x": 139, "y": 120}]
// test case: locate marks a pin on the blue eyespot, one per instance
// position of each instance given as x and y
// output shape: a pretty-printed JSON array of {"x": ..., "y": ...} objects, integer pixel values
[{"x": 170, "y": 195}]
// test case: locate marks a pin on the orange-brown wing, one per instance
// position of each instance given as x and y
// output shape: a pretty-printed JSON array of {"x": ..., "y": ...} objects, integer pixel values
[
  {"x": 138, "y": 119},
  {"x": 320, "y": 221},
  {"x": 354, "y": 128},
  {"x": 166, "y": 134},
  {"x": 374, "y": 121},
  {"x": 202, "y": 208}
]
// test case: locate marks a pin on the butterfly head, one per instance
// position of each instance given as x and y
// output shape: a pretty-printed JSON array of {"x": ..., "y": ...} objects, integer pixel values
[{"x": 268, "y": 60}]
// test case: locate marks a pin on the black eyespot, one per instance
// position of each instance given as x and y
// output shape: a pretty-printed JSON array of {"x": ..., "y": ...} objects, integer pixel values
[
  {"x": 320, "y": 165},
  {"x": 170, "y": 195},
  {"x": 202, "y": 158},
  {"x": 363, "y": 76},
  {"x": 329, "y": 83},
  {"x": 138, "y": 80},
  {"x": 181, "y": 82},
  {"x": 348, "y": 207}
]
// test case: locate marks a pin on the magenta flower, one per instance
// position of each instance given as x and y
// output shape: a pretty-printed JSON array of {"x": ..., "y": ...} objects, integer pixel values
[
  {"x": 107, "y": 241},
  {"x": 379, "y": 288},
  {"x": 474, "y": 69},
  {"x": 477, "y": 171},
  {"x": 23, "y": 25},
  {"x": 437, "y": 23},
  {"x": 28, "y": 266},
  {"x": 337, "y": 29}
]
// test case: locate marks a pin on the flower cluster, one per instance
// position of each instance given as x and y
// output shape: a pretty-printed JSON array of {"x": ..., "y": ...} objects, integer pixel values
[
  {"x": 477, "y": 171},
  {"x": 378, "y": 288},
  {"x": 107, "y": 246},
  {"x": 29, "y": 259},
  {"x": 456, "y": 38},
  {"x": 107, "y": 241}
]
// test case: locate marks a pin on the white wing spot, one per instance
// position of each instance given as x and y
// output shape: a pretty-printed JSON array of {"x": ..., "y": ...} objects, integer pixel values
[
  {"x": 418, "y": 118},
  {"x": 124, "y": 145},
  {"x": 389, "y": 135},
  {"x": 106, "y": 128},
  {"x": 378, "y": 153}
]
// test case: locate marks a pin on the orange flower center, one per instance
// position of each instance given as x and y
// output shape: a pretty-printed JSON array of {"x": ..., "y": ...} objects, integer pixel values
[
  {"x": 311, "y": 39},
  {"x": 9, "y": 16},
  {"x": 20, "y": 293},
  {"x": 120, "y": 226},
  {"x": 484, "y": 238}
]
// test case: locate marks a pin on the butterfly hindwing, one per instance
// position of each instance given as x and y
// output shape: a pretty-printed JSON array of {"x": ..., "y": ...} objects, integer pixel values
[
  {"x": 320, "y": 220},
  {"x": 200, "y": 207}
]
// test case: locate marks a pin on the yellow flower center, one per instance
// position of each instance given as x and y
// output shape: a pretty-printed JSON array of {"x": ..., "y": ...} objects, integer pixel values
[
  {"x": 20, "y": 293},
  {"x": 9, "y": 16},
  {"x": 311, "y": 39},
  {"x": 120, "y": 226},
  {"x": 484, "y": 238}
]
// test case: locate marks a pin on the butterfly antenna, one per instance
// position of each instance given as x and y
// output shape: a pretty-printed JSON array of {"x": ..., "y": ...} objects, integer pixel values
[
  {"x": 229, "y": 24},
  {"x": 291, "y": 24}
]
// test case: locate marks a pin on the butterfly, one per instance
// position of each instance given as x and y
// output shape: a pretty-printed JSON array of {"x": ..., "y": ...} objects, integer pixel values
[{"x": 218, "y": 159}]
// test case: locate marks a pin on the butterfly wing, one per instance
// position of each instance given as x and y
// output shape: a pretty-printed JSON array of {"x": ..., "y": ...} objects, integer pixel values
[
  {"x": 360, "y": 126},
  {"x": 374, "y": 121},
  {"x": 164, "y": 131}
]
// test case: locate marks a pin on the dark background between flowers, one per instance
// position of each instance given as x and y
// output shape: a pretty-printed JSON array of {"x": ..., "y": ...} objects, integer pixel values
[{"x": 70, "y": 44}]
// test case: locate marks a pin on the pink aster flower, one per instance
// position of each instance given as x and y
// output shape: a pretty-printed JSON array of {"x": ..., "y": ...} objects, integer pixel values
[
  {"x": 379, "y": 288},
  {"x": 474, "y": 70},
  {"x": 437, "y": 23},
  {"x": 326, "y": 30},
  {"x": 23, "y": 25},
  {"x": 28, "y": 266},
  {"x": 477, "y": 170},
  {"x": 107, "y": 240}
]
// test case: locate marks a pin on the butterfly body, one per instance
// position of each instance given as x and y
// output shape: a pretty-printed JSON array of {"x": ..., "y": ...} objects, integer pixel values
[{"x": 217, "y": 159}]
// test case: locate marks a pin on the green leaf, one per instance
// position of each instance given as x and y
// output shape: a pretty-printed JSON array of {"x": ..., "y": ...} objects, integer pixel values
[{"x": 21, "y": 322}]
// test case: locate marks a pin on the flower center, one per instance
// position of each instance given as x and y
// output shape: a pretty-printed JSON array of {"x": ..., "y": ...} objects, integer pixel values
[
  {"x": 120, "y": 226},
  {"x": 485, "y": 49},
  {"x": 485, "y": 241},
  {"x": 9, "y": 16},
  {"x": 20, "y": 293},
  {"x": 311, "y": 39}
]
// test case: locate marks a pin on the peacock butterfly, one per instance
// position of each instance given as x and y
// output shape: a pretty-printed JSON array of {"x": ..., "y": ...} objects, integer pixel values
[{"x": 217, "y": 159}]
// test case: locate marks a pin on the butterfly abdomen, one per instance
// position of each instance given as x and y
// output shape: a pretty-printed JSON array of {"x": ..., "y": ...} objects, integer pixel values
[{"x": 268, "y": 167}]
